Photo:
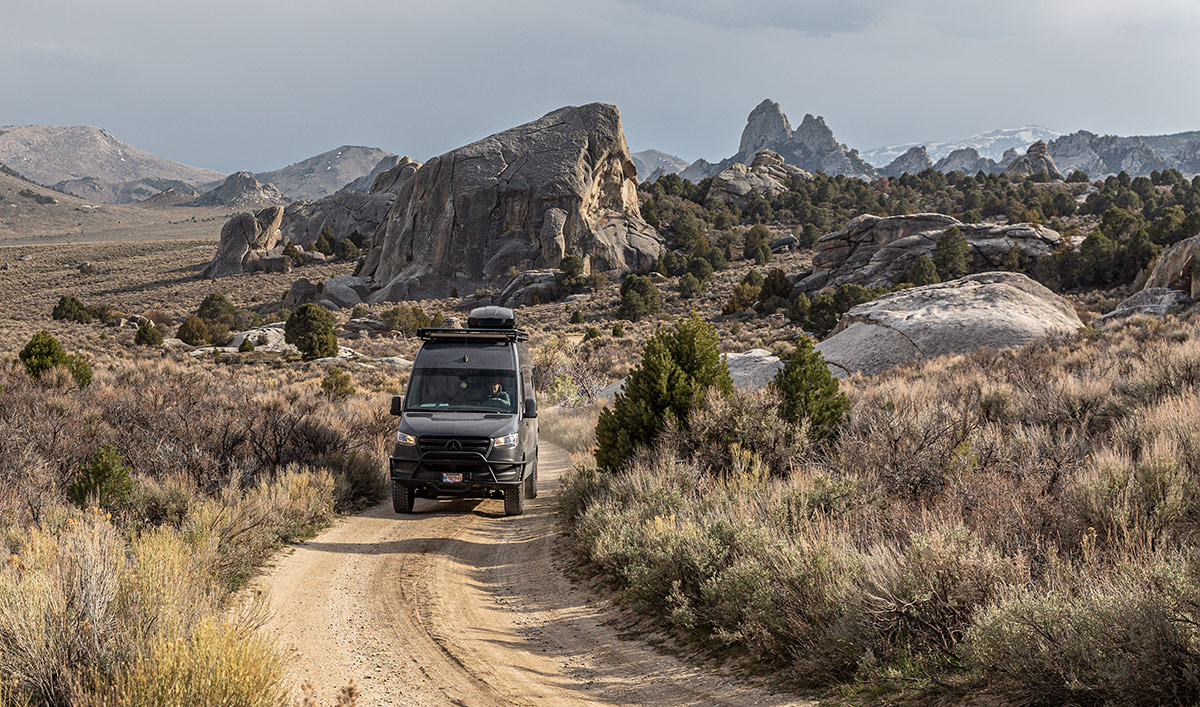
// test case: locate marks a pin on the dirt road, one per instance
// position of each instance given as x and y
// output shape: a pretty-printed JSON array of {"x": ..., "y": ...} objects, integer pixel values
[{"x": 458, "y": 604}]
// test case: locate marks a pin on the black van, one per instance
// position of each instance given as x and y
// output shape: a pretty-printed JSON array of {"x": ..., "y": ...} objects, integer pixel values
[{"x": 468, "y": 419}]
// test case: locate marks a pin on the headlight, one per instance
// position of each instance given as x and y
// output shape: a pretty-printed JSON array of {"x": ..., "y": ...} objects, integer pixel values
[
  {"x": 406, "y": 439},
  {"x": 506, "y": 441}
]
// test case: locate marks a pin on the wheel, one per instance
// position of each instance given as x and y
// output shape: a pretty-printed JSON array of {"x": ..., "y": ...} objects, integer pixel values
[
  {"x": 531, "y": 488},
  {"x": 514, "y": 500},
  {"x": 402, "y": 498}
]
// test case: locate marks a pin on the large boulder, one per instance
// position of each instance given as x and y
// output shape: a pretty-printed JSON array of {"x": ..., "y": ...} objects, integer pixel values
[
  {"x": 244, "y": 235},
  {"x": 518, "y": 200},
  {"x": 996, "y": 310},
  {"x": 1176, "y": 266},
  {"x": 343, "y": 213},
  {"x": 1150, "y": 302},
  {"x": 872, "y": 251},
  {"x": 768, "y": 176},
  {"x": 1037, "y": 160}
]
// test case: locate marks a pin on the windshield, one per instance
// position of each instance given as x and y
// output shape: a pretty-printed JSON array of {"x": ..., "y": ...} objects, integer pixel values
[{"x": 462, "y": 390}]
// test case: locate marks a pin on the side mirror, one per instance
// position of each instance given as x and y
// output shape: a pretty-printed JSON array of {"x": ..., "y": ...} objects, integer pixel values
[
  {"x": 397, "y": 405},
  {"x": 530, "y": 407}
]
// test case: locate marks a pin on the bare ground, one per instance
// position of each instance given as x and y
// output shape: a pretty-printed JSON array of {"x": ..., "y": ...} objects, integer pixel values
[{"x": 458, "y": 604}]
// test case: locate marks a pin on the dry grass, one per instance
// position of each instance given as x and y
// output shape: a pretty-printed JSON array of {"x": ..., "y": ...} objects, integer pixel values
[{"x": 1019, "y": 522}]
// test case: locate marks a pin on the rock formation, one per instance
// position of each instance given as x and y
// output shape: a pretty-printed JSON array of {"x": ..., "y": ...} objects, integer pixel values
[
  {"x": 874, "y": 251},
  {"x": 390, "y": 180},
  {"x": 243, "y": 191},
  {"x": 1150, "y": 302},
  {"x": 518, "y": 200},
  {"x": 996, "y": 310},
  {"x": 1101, "y": 155},
  {"x": 811, "y": 146},
  {"x": 768, "y": 176},
  {"x": 1037, "y": 160},
  {"x": 965, "y": 160},
  {"x": 249, "y": 242},
  {"x": 914, "y": 161}
]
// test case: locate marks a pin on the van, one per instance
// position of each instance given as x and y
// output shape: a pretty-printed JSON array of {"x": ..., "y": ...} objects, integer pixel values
[{"x": 468, "y": 418}]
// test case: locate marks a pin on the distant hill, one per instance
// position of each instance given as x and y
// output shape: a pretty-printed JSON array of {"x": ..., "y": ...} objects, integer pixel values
[
  {"x": 990, "y": 145},
  {"x": 326, "y": 173},
  {"x": 243, "y": 191},
  {"x": 655, "y": 163},
  {"x": 92, "y": 164},
  {"x": 32, "y": 213}
]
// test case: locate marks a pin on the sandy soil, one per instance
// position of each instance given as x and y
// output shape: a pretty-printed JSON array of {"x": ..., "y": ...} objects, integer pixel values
[{"x": 458, "y": 604}]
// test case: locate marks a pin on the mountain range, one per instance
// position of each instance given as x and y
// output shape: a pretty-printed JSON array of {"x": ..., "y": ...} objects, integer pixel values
[{"x": 990, "y": 145}]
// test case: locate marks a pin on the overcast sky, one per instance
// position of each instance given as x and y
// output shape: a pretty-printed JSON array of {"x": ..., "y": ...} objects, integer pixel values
[{"x": 258, "y": 84}]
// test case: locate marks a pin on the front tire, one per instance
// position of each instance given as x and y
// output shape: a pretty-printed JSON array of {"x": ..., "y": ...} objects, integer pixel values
[
  {"x": 514, "y": 500},
  {"x": 402, "y": 498}
]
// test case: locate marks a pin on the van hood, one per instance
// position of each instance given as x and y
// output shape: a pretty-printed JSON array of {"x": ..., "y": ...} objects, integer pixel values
[{"x": 466, "y": 424}]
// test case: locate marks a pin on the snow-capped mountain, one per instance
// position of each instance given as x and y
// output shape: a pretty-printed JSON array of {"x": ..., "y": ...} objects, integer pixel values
[{"x": 990, "y": 144}]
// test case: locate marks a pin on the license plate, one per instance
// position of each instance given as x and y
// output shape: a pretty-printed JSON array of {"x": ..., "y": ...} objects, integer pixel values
[{"x": 452, "y": 478}]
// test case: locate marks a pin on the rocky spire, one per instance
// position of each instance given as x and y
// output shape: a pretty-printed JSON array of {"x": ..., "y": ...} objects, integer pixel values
[{"x": 766, "y": 126}]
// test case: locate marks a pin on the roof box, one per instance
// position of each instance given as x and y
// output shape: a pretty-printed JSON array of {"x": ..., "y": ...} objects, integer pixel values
[{"x": 491, "y": 318}]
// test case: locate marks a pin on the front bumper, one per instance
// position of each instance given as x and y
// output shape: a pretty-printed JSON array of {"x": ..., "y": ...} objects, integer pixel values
[{"x": 425, "y": 471}]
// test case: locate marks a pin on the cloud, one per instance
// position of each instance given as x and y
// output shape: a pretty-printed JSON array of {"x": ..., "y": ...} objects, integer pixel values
[{"x": 815, "y": 17}]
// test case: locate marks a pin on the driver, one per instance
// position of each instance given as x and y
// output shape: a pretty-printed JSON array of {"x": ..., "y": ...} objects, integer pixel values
[{"x": 499, "y": 395}]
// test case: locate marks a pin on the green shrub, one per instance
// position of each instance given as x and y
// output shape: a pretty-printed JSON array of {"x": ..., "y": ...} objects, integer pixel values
[
  {"x": 923, "y": 272},
  {"x": 639, "y": 298},
  {"x": 360, "y": 311},
  {"x": 755, "y": 238},
  {"x": 671, "y": 265},
  {"x": 689, "y": 286},
  {"x": 775, "y": 284},
  {"x": 763, "y": 255},
  {"x": 952, "y": 254},
  {"x": 324, "y": 242},
  {"x": 738, "y": 429},
  {"x": 43, "y": 352},
  {"x": 293, "y": 253},
  {"x": 700, "y": 268},
  {"x": 576, "y": 317},
  {"x": 592, "y": 333},
  {"x": 216, "y": 309},
  {"x": 678, "y": 365},
  {"x": 247, "y": 345},
  {"x": 408, "y": 319},
  {"x": 346, "y": 250},
  {"x": 193, "y": 331},
  {"x": 572, "y": 266},
  {"x": 798, "y": 309},
  {"x": 337, "y": 384},
  {"x": 104, "y": 478},
  {"x": 310, "y": 329},
  {"x": 70, "y": 309},
  {"x": 808, "y": 392},
  {"x": 743, "y": 298},
  {"x": 148, "y": 334},
  {"x": 618, "y": 330}
]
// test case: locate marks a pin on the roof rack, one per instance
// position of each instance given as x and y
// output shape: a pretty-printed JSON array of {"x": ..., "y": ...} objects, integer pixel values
[{"x": 444, "y": 334}]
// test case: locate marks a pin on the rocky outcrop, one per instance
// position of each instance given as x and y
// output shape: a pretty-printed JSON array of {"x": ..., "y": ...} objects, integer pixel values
[
  {"x": 767, "y": 176},
  {"x": 1036, "y": 161},
  {"x": 392, "y": 179},
  {"x": 914, "y": 161},
  {"x": 170, "y": 197},
  {"x": 1150, "y": 302},
  {"x": 339, "y": 292},
  {"x": 249, "y": 241},
  {"x": 521, "y": 199},
  {"x": 1101, "y": 155},
  {"x": 997, "y": 310},
  {"x": 965, "y": 160},
  {"x": 811, "y": 146},
  {"x": 343, "y": 213},
  {"x": 873, "y": 251},
  {"x": 1176, "y": 268},
  {"x": 243, "y": 191}
]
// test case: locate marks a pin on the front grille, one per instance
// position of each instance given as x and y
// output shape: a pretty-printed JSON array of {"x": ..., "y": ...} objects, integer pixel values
[{"x": 454, "y": 444}]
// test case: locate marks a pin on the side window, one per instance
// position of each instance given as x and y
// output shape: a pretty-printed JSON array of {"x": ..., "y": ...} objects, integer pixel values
[{"x": 527, "y": 383}]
